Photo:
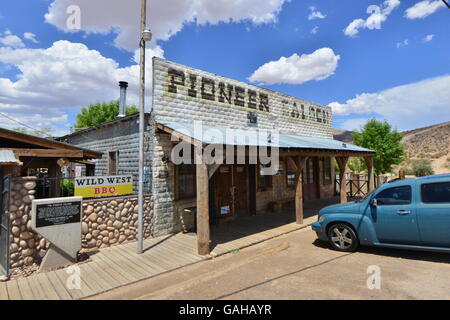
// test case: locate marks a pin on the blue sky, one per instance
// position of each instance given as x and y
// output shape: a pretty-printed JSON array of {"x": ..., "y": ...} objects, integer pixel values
[{"x": 391, "y": 63}]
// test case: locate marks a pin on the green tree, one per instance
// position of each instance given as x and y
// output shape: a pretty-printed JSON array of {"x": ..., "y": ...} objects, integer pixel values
[
  {"x": 421, "y": 168},
  {"x": 384, "y": 140},
  {"x": 356, "y": 165},
  {"x": 99, "y": 113}
]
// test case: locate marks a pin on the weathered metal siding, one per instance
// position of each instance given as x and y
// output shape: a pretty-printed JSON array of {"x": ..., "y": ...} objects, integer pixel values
[
  {"x": 182, "y": 99},
  {"x": 122, "y": 136}
]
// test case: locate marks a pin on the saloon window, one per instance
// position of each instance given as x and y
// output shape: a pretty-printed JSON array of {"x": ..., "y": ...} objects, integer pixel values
[
  {"x": 264, "y": 180},
  {"x": 290, "y": 176},
  {"x": 326, "y": 170},
  {"x": 185, "y": 179},
  {"x": 435, "y": 192},
  {"x": 394, "y": 196},
  {"x": 113, "y": 159}
]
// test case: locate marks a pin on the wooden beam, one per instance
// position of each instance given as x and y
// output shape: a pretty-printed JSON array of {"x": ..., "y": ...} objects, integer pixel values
[
  {"x": 370, "y": 175},
  {"x": 46, "y": 153},
  {"x": 179, "y": 135},
  {"x": 292, "y": 163},
  {"x": 299, "y": 190},
  {"x": 342, "y": 163},
  {"x": 203, "y": 232}
]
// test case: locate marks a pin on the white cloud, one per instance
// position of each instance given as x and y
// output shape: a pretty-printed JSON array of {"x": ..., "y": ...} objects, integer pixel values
[
  {"x": 10, "y": 40},
  {"x": 407, "y": 106},
  {"x": 423, "y": 9},
  {"x": 402, "y": 44},
  {"x": 315, "y": 30},
  {"x": 378, "y": 15},
  {"x": 165, "y": 17},
  {"x": 353, "y": 124},
  {"x": 30, "y": 36},
  {"x": 62, "y": 79},
  {"x": 315, "y": 14},
  {"x": 428, "y": 38},
  {"x": 297, "y": 69}
]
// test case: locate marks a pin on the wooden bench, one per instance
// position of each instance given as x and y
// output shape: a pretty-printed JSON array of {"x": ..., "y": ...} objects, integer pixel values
[{"x": 277, "y": 205}]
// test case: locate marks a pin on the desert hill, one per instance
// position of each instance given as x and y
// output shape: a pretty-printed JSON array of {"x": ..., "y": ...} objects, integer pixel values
[{"x": 432, "y": 142}]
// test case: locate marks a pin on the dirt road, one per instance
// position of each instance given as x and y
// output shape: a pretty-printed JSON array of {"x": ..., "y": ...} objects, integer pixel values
[{"x": 296, "y": 266}]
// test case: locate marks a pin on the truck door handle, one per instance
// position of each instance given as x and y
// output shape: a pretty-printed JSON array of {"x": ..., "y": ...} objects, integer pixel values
[{"x": 403, "y": 212}]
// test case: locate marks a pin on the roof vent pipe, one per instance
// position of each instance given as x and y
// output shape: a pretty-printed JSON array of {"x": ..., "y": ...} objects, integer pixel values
[{"x": 123, "y": 98}]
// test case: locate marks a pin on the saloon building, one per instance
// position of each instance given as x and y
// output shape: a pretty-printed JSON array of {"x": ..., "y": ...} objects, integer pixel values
[{"x": 195, "y": 114}]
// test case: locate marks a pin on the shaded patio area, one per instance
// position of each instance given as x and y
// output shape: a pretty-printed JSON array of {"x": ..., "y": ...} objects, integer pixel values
[{"x": 249, "y": 230}]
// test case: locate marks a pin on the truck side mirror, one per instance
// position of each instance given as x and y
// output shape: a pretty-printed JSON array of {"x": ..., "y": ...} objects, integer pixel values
[{"x": 374, "y": 202}]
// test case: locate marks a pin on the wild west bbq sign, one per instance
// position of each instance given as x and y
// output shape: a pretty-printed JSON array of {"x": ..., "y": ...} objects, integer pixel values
[
  {"x": 106, "y": 186},
  {"x": 192, "y": 92}
]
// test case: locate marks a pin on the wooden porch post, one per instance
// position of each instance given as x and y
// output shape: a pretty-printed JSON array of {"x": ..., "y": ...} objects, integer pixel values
[
  {"x": 370, "y": 177},
  {"x": 299, "y": 188},
  {"x": 342, "y": 162},
  {"x": 203, "y": 233}
]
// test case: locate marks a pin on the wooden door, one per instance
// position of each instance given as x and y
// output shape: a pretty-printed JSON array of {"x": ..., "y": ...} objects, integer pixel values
[
  {"x": 240, "y": 190},
  {"x": 223, "y": 192},
  {"x": 311, "y": 179}
]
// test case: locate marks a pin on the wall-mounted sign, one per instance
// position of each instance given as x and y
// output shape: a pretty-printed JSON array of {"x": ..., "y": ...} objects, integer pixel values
[
  {"x": 59, "y": 221},
  {"x": 180, "y": 89},
  {"x": 51, "y": 214},
  {"x": 105, "y": 186}
]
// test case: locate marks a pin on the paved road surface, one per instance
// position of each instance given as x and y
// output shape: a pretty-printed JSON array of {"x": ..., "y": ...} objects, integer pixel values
[{"x": 296, "y": 266}]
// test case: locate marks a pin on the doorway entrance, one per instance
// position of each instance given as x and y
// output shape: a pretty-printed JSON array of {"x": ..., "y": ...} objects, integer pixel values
[
  {"x": 230, "y": 192},
  {"x": 5, "y": 188},
  {"x": 311, "y": 179}
]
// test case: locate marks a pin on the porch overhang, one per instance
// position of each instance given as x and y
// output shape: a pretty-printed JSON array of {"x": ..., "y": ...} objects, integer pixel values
[
  {"x": 297, "y": 149},
  {"x": 287, "y": 144}
]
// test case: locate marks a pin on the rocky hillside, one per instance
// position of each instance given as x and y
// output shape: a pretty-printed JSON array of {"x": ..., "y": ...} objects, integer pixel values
[{"x": 431, "y": 142}]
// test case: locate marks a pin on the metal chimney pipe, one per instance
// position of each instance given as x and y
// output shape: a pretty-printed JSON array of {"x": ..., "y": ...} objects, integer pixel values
[{"x": 123, "y": 98}]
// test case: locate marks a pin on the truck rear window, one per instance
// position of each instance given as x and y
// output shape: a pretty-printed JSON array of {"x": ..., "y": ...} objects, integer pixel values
[{"x": 435, "y": 192}]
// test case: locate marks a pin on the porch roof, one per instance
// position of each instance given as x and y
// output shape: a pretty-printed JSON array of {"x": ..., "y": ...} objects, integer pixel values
[
  {"x": 220, "y": 135},
  {"x": 7, "y": 157}
]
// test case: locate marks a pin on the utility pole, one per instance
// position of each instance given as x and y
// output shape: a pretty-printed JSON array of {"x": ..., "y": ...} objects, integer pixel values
[{"x": 140, "y": 232}]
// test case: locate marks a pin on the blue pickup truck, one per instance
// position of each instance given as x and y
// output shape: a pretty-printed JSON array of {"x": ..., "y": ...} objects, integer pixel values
[{"x": 409, "y": 214}]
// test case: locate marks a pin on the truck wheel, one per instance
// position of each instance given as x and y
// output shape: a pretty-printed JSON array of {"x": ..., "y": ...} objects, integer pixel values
[{"x": 342, "y": 238}]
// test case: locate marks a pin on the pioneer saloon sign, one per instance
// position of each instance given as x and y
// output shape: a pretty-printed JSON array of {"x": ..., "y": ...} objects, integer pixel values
[
  {"x": 209, "y": 89},
  {"x": 106, "y": 186}
]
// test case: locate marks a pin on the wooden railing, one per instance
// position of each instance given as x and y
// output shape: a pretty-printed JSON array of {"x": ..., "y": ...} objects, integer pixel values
[{"x": 357, "y": 184}]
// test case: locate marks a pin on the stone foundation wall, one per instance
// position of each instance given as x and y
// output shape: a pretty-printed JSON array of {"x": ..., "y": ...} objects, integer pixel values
[
  {"x": 25, "y": 247},
  {"x": 113, "y": 221},
  {"x": 105, "y": 222}
]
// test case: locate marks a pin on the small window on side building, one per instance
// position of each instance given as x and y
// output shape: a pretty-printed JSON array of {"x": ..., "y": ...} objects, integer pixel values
[
  {"x": 264, "y": 181},
  {"x": 185, "y": 179},
  {"x": 327, "y": 170},
  {"x": 113, "y": 162}
]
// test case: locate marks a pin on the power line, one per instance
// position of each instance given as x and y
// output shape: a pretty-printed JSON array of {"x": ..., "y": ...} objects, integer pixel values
[
  {"x": 22, "y": 124},
  {"x": 446, "y": 3}
]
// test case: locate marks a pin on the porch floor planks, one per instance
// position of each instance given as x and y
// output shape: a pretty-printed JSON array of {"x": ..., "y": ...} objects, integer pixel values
[
  {"x": 117, "y": 267},
  {"x": 117, "y": 256},
  {"x": 47, "y": 287},
  {"x": 109, "y": 272},
  {"x": 170, "y": 252},
  {"x": 13, "y": 290},
  {"x": 84, "y": 290},
  {"x": 25, "y": 289},
  {"x": 3, "y": 291},
  {"x": 94, "y": 280},
  {"x": 174, "y": 249},
  {"x": 60, "y": 288},
  {"x": 150, "y": 267}
]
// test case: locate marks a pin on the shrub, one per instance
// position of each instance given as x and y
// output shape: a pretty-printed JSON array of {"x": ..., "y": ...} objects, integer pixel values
[
  {"x": 67, "y": 188},
  {"x": 422, "y": 168}
]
